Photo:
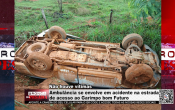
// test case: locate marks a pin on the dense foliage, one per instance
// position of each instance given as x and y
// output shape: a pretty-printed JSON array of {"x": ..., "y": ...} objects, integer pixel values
[{"x": 146, "y": 8}]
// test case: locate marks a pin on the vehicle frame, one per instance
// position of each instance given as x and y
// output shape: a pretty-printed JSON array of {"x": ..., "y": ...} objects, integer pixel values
[{"x": 99, "y": 64}]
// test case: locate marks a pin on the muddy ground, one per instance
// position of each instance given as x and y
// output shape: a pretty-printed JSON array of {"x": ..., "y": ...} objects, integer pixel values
[{"x": 24, "y": 82}]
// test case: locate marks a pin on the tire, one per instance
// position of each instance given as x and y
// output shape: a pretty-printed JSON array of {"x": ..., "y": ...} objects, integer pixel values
[
  {"x": 39, "y": 61},
  {"x": 36, "y": 47},
  {"x": 56, "y": 32},
  {"x": 139, "y": 73},
  {"x": 130, "y": 38}
]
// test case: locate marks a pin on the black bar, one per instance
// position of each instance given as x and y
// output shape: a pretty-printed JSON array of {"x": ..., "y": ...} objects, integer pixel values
[{"x": 91, "y": 102}]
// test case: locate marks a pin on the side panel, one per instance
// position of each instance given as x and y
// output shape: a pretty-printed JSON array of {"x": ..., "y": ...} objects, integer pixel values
[
  {"x": 99, "y": 78},
  {"x": 68, "y": 74}
]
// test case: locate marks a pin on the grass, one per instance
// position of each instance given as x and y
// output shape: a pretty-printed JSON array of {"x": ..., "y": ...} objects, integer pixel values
[
  {"x": 20, "y": 104},
  {"x": 88, "y": 19}
]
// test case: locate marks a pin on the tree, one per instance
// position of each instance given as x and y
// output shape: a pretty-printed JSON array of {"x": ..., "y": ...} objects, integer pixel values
[
  {"x": 146, "y": 8},
  {"x": 60, "y": 5}
]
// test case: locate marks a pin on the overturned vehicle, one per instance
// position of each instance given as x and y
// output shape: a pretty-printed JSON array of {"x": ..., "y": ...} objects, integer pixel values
[{"x": 53, "y": 53}]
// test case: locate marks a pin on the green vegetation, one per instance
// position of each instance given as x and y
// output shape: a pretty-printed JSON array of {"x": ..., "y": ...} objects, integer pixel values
[
  {"x": 20, "y": 104},
  {"x": 146, "y": 8},
  {"x": 88, "y": 19}
]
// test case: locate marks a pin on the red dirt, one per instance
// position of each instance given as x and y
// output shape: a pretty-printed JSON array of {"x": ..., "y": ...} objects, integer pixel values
[
  {"x": 20, "y": 86},
  {"x": 91, "y": 20}
]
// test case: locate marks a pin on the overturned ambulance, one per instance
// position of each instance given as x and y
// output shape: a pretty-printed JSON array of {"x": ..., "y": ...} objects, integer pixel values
[{"x": 53, "y": 53}]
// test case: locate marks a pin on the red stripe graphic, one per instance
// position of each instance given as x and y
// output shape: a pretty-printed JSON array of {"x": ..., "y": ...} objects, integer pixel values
[{"x": 3, "y": 28}]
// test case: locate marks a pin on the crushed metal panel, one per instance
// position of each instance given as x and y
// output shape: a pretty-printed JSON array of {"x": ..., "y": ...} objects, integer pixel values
[{"x": 68, "y": 74}]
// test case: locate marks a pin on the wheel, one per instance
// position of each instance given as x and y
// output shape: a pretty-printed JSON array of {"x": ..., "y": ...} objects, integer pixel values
[
  {"x": 56, "y": 32},
  {"x": 139, "y": 73},
  {"x": 39, "y": 61},
  {"x": 132, "y": 39},
  {"x": 132, "y": 48},
  {"x": 36, "y": 47}
]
